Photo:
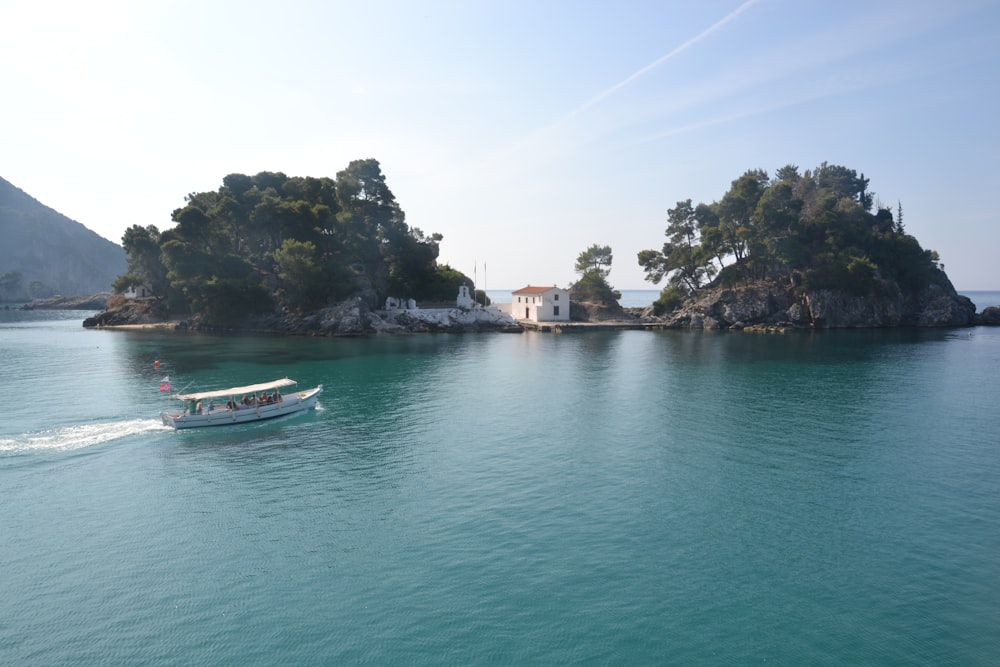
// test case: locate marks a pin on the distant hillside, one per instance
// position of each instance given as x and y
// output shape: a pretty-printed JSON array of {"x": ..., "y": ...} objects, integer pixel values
[{"x": 44, "y": 253}]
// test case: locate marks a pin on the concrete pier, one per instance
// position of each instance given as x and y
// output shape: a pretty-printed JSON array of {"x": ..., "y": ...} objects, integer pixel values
[{"x": 580, "y": 327}]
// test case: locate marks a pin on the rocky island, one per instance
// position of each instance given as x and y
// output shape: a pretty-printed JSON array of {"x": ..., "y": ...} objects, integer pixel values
[
  {"x": 320, "y": 256},
  {"x": 799, "y": 251},
  {"x": 769, "y": 306}
]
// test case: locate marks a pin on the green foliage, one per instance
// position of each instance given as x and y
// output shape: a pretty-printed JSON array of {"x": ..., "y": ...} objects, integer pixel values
[
  {"x": 145, "y": 265},
  {"x": 126, "y": 280},
  {"x": 270, "y": 240},
  {"x": 593, "y": 287},
  {"x": 481, "y": 298},
  {"x": 670, "y": 299},
  {"x": 594, "y": 266},
  {"x": 302, "y": 280},
  {"x": 228, "y": 301},
  {"x": 595, "y": 259},
  {"x": 729, "y": 276},
  {"x": 861, "y": 273},
  {"x": 684, "y": 257},
  {"x": 817, "y": 223},
  {"x": 440, "y": 285}
]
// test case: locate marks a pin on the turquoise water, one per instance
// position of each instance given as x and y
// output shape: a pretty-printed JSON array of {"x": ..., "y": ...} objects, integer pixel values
[{"x": 613, "y": 497}]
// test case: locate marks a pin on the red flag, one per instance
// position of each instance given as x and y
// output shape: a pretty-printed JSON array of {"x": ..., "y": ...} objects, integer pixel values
[{"x": 165, "y": 384}]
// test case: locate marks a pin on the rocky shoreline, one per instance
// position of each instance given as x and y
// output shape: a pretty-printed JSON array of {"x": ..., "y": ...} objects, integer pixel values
[
  {"x": 767, "y": 305},
  {"x": 352, "y": 317},
  {"x": 761, "y": 307}
]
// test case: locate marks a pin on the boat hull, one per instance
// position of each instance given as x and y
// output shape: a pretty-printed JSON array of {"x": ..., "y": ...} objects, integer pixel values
[{"x": 297, "y": 402}]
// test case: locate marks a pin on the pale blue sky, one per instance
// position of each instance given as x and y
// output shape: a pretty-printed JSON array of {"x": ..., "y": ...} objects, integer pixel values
[{"x": 522, "y": 131}]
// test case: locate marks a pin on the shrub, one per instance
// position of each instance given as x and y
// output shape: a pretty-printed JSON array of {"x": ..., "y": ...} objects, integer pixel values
[{"x": 670, "y": 299}]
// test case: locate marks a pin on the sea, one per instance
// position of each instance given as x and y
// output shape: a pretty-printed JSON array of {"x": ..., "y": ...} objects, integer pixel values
[{"x": 612, "y": 497}]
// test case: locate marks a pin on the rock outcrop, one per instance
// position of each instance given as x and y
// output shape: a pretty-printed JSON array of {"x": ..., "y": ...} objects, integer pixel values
[
  {"x": 769, "y": 303},
  {"x": 131, "y": 312},
  {"x": 352, "y": 317},
  {"x": 592, "y": 300},
  {"x": 989, "y": 317},
  {"x": 589, "y": 311}
]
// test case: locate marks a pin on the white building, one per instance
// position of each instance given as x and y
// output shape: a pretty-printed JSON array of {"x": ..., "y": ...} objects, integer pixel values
[
  {"x": 464, "y": 299},
  {"x": 540, "y": 304},
  {"x": 137, "y": 291}
]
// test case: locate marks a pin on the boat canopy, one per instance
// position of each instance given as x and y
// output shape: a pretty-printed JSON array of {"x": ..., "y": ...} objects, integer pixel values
[{"x": 235, "y": 391}]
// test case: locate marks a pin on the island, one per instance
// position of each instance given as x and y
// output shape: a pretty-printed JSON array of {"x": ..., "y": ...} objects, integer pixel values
[{"x": 330, "y": 256}]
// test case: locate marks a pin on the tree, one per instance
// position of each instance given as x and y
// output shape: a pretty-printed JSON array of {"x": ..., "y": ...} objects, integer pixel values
[
  {"x": 682, "y": 252},
  {"x": 684, "y": 258},
  {"x": 789, "y": 173},
  {"x": 777, "y": 220},
  {"x": 654, "y": 263},
  {"x": 843, "y": 182},
  {"x": 594, "y": 266},
  {"x": 443, "y": 285},
  {"x": 145, "y": 266},
  {"x": 413, "y": 263},
  {"x": 302, "y": 284},
  {"x": 373, "y": 222},
  {"x": 736, "y": 219},
  {"x": 270, "y": 240},
  {"x": 596, "y": 259},
  {"x": 817, "y": 228}
]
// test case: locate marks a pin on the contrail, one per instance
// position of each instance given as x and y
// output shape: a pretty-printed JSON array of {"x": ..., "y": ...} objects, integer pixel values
[
  {"x": 662, "y": 59},
  {"x": 537, "y": 134}
]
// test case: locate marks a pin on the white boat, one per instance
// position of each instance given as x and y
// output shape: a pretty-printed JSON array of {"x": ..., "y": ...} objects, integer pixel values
[{"x": 237, "y": 405}]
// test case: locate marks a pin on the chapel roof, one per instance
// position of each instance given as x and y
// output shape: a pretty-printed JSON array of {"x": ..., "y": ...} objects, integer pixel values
[{"x": 534, "y": 289}]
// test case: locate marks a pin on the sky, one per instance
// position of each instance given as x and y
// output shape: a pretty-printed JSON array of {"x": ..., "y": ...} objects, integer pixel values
[{"x": 523, "y": 132}]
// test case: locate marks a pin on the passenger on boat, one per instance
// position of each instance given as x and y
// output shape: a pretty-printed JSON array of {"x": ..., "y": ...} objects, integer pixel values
[
  {"x": 198, "y": 408},
  {"x": 211, "y": 405},
  {"x": 276, "y": 396},
  {"x": 231, "y": 404}
]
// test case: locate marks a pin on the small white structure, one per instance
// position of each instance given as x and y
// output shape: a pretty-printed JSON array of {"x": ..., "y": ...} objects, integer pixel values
[
  {"x": 540, "y": 304},
  {"x": 464, "y": 300},
  {"x": 137, "y": 291}
]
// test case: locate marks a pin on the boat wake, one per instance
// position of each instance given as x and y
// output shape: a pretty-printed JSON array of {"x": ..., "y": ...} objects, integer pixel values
[{"x": 69, "y": 438}]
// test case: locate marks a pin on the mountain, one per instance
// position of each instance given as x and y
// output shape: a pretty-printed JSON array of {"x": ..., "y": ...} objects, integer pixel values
[{"x": 43, "y": 253}]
